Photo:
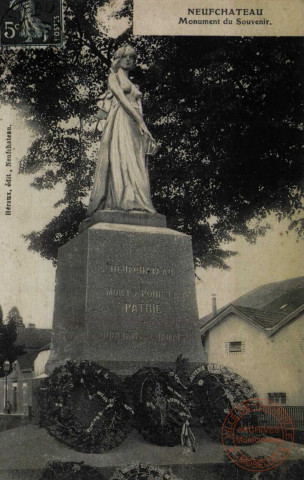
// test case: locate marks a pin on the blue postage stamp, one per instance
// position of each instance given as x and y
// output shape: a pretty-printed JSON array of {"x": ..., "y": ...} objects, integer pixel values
[{"x": 26, "y": 23}]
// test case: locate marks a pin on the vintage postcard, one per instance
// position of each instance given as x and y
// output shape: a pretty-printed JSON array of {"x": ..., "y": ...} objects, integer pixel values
[{"x": 151, "y": 219}]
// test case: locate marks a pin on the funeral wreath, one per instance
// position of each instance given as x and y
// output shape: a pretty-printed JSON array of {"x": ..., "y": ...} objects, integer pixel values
[
  {"x": 83, "y": 405},
  {"x": 143, "y": 472},
  {"x": 214, "y": 390},
  {"x": 160, "y": 406}
]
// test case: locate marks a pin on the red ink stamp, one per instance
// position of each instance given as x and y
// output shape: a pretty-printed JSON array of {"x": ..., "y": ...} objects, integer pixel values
[{"x": 241, "y": 430}]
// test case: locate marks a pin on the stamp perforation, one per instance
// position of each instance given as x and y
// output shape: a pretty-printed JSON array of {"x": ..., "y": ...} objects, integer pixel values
[{"x": 31, "y": 23}]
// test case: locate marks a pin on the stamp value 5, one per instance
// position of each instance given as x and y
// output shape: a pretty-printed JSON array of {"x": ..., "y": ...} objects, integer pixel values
[{"x": 26, "y": 23}]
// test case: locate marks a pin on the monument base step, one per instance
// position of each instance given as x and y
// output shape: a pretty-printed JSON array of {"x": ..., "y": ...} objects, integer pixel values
[
  {"x": 124, "y": 369},
  {"x": 131, "y": 217},
  {"x": 26, "y": 450}
]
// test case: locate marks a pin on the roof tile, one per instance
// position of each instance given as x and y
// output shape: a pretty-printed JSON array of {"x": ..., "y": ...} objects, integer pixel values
[{"x": 264, "y": 304}]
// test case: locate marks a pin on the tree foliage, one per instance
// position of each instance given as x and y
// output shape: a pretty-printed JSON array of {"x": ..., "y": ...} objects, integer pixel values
[
  {"x": 8, "y": 349},
  {"x": 14, "y": 318},
  {"x": 227, "y": 111}
]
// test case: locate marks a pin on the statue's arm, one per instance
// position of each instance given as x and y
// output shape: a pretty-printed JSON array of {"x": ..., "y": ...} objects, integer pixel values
[{"x": 119, "y": 94}]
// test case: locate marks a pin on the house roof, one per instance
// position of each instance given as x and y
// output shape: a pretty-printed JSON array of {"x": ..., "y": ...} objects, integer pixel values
[
  {"x": 287, "y": 302},
  {"x": 45, "y": 347},
  {"x": 268, "y": 307},
  {"x": 261, "y": 317},
  {"x": 34, "y": 338},
  {"x": 26, "y": 360}
]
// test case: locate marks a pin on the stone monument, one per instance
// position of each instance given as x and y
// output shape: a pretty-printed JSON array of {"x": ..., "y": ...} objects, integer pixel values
[{"x": 125, "y": 291}]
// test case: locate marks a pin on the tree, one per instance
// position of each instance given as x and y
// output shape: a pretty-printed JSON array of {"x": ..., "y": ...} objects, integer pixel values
[
  {"x": 228, "y": 113},
  {"x": 14, "y": 318},
  {"x": 8, "y": 349}
]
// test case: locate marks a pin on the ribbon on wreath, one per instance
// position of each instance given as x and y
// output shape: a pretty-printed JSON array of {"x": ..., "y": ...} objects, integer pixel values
[{"x": 187, "y": 437}]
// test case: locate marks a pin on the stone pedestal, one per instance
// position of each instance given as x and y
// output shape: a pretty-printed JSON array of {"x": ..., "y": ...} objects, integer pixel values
[
  {"x": 130, "y": 217},
  {"x": 125, "y": 297}
]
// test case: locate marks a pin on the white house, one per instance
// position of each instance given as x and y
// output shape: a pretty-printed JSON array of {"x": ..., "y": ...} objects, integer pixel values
[
  {"x": 19, "y": 386},
  {"x": 261, "y": 337},
  {"x": 41, "y": 361}
]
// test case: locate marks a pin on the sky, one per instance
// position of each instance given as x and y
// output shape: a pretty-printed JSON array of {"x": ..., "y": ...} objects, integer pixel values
[
  {"x": 27, "y": 280},
  {"x": 108, "y": 24}
]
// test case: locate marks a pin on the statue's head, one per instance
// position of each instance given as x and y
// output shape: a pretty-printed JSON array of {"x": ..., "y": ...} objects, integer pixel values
[{"x": 124, "y": 57}]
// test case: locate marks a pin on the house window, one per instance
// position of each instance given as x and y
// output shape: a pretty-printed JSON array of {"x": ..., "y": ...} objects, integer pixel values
[
  {"x": 277, "y": 397},
  {"x": 234, "y": 347}
]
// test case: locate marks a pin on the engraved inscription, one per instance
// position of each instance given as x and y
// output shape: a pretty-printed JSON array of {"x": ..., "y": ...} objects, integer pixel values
[
  {"x": 134, "y": 336},
  {"x": 139, "y": 300},
  {"x": 140, "y": 270},
  {"x": 119, "y": 292},
  {"x": 142, "y": 308},
  {"x": 172, "y": 337},
  {"x": 137, "y": 307},
  {"x": 131, "y": 292},
  {"x": 119, "y": 336}
]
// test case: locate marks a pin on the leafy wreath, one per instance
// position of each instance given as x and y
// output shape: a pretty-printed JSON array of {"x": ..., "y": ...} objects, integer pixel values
[
  {"x": 214, "y": 390},
  {"x": 161, "y": 412},
  {"x": 83, "y": 405},
  {"x": 143, "y": 472}
]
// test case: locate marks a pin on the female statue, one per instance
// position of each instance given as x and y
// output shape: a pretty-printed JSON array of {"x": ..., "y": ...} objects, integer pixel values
[{"x": 121, "y": 179}]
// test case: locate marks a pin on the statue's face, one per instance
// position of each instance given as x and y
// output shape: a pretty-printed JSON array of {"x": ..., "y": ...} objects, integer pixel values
[{"x": 127, "y": 61}]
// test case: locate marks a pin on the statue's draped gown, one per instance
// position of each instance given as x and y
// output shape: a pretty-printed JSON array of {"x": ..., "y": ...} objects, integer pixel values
[{"x": 121, "y": 179}]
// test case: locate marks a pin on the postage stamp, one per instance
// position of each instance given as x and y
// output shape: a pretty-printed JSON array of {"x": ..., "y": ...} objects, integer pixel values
[
  {"x": 28, "y": 23},
  {"x": 276, "y": 434}
]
